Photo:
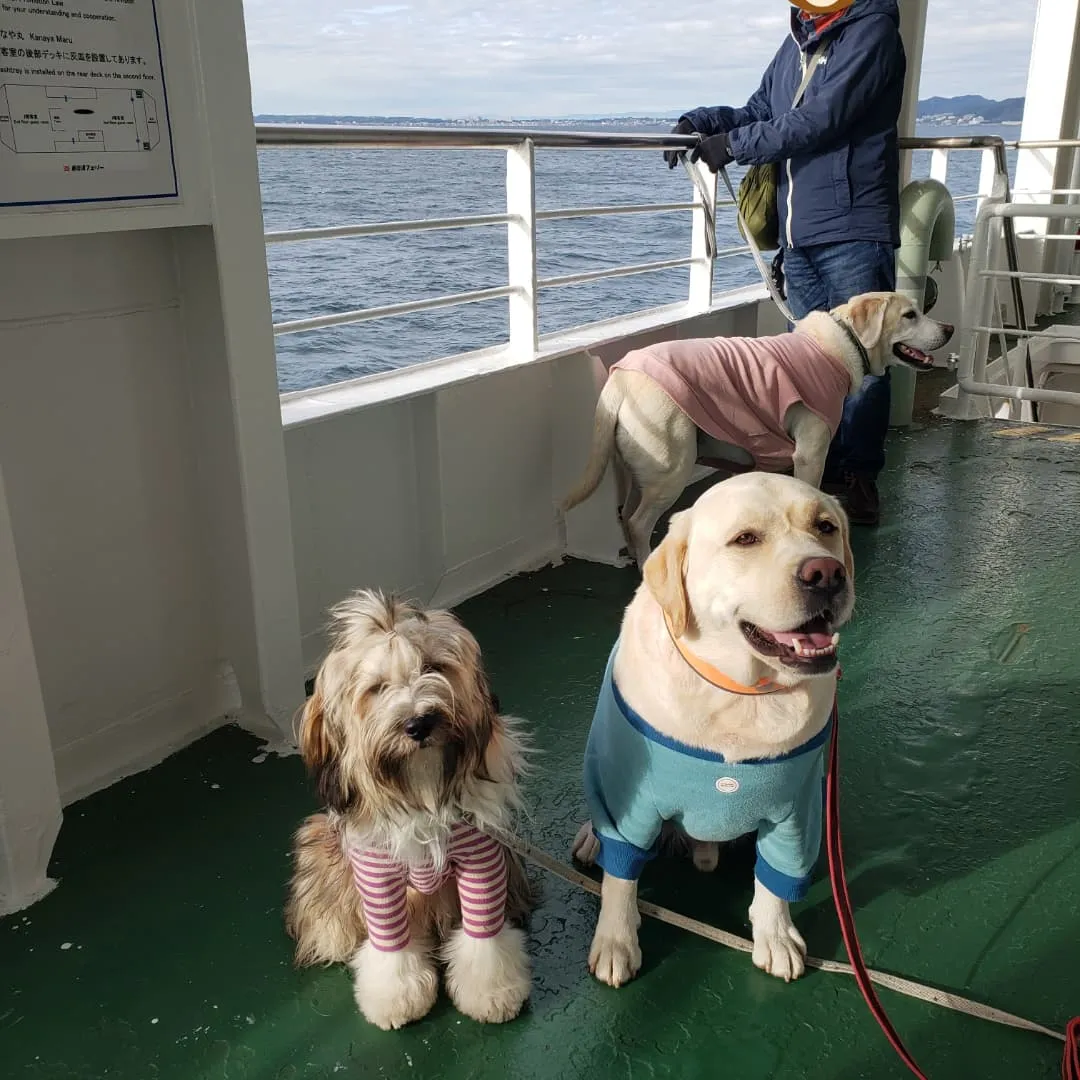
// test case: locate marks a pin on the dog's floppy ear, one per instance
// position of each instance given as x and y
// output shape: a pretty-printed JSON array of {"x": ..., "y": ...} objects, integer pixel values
[
  {"x": 665, "y": 573},
  {"x": 867, "y": 315},
  {"x": 314, "y": 746},
  {"x": 317, "y": 753}
]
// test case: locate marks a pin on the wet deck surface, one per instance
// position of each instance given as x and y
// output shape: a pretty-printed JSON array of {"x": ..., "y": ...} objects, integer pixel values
[{"x": 162, "y": 955}]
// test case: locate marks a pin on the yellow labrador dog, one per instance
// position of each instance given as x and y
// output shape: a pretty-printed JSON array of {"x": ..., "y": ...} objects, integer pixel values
[
  {"x": 714, "y": 714},
  {"x": 772, "y": 403}
]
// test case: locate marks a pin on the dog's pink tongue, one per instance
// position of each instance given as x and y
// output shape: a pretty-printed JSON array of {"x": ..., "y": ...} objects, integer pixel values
[{"x": 806, "y": 641}]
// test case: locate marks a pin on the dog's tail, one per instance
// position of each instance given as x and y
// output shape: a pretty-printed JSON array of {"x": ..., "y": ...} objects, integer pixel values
[{"x": 603, "y": 443}]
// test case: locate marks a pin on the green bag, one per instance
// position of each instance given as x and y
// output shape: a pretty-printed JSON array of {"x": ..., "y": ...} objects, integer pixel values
[
  {"x": 757, "y": 206},
  {"x": 758, "y": 190}
]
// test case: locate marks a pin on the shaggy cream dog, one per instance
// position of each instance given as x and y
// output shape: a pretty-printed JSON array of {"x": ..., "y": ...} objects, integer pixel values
[{"x": 417, "y": 769}]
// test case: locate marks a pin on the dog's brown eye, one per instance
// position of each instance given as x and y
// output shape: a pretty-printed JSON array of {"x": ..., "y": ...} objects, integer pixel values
[
  {"x": 431, "y": 668},
  {"x": 747, "y": 539},
  {"x": 910, "y": 315},
  {"x": 376, "y": 688},
  {"x": 826, "y": 527}
]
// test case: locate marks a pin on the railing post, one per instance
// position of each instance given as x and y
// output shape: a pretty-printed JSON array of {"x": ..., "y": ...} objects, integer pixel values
[
  {"x": 521, "y": 248},
  {"x": 939, "y": 165},
  {"x": 988, "y": 173},
  {"x": 703, "y": 241}
]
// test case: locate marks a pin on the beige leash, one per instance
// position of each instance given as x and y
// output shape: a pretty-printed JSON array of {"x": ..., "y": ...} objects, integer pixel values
[{"x": 722, "y": 937}]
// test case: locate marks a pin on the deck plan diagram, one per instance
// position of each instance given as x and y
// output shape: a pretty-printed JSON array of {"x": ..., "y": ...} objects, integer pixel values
[
  {"x": 83, "y": 104},
  {"x": 77, "y": 119}
]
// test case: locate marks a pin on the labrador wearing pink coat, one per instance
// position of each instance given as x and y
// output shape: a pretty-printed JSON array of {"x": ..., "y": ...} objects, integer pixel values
[{"x": 771, "y": 403}]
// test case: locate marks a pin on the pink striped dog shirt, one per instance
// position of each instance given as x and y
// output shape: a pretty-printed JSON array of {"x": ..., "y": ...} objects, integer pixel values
[
  {"x": 474, "y": 858},
  {"x": 738, "y": 390}
]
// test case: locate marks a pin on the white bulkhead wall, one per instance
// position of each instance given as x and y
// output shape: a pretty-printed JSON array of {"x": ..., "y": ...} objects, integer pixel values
[{"x": 146, "y": 566}]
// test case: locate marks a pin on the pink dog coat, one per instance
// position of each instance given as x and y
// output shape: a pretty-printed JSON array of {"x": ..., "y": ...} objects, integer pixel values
[
  {"x": 474, "y": 858},
  {"x": 739, "y": 389}
]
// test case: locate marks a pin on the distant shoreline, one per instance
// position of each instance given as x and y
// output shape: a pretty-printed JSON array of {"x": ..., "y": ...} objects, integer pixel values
[
  {"x": 969, "y": 110},
  {"x": 621, "y": 122}
]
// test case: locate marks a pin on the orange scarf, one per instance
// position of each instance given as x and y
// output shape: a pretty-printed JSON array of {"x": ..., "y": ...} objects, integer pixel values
[{"x": 822, "y": 23}]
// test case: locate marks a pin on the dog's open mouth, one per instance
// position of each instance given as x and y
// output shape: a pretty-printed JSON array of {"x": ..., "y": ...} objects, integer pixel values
[
  {"x": 810, "y": 646},
  {"x": 915, "y": 358}
]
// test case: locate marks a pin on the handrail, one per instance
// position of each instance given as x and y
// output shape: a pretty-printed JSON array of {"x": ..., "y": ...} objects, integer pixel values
[
  {"x": 461, "y": 138},
  {"x": 612, "y": 272},
  {"x": 382, "y": 228},
  {"x": 408, "y": 307},
  {"x": 1045, "y": 144},
  {"x": 603, "y": 211},
  {"x": 393, "y": 136}
]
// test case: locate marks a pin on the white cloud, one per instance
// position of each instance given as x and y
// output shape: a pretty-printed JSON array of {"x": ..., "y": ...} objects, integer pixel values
[{"x": 481, "y": 58}]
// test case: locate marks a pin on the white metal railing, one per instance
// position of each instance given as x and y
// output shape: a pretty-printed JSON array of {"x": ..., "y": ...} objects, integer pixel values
[
  {"x": 520, "y": 218},
  {"x": 993, "y": 222},
  {"x": 521, "y": 213}
]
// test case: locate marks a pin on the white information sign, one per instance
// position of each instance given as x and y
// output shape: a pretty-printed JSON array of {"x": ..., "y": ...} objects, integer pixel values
[{"x": 83, "y": 112}]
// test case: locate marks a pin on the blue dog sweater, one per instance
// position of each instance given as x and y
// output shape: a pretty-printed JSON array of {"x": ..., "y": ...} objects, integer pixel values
[{"x": 636, "y": 778}]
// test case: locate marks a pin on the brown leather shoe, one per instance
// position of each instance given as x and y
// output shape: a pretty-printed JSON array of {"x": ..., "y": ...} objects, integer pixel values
[{"x": 859, "y": 496}]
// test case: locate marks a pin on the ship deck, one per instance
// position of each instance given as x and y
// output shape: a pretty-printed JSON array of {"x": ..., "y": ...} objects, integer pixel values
[{"x": 162, "y": 954}]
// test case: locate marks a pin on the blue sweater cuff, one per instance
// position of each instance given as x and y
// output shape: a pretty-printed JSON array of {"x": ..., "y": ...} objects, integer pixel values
[
  {"x": 620, "y": 859},
  {"x": 781, "y": 885}
]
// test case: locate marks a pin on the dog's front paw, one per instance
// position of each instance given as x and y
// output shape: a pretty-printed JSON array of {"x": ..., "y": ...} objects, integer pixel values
[
  {"x": 779, "y": 949},
  {"x": 614, "y": 958},
  {"x": 586, "y": 846},
  {"x": 488, "y": 978},
  {"x": 393, "y": 989}
]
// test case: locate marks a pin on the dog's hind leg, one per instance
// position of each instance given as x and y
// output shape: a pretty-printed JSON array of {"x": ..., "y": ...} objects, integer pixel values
[
  {"x": 585, "y": 847},
  {"x": 629, "y": 498},
  {"x": 706, "y": 855},
  {"x": 659, "y": 450},
  {"x": 655, "y": 500}
]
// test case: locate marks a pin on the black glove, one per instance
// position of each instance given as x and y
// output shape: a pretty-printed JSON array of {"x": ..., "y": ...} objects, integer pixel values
[
  {"x": 683, "y": 127},
  {"x": 715, "y": 151}
]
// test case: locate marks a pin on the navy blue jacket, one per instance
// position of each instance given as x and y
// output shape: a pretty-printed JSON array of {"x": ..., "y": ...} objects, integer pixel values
[{"x": 838, "y": 154}]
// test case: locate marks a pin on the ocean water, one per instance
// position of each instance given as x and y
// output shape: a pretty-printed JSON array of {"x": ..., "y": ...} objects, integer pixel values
[{"x": 310, "y": 187}]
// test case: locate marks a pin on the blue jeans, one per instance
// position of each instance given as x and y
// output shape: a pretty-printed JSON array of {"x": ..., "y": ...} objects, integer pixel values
[{"x": 820, "y": 277}]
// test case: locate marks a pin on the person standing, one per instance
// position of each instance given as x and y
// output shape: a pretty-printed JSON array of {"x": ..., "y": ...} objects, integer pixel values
[{"x": 839, "y": 190}]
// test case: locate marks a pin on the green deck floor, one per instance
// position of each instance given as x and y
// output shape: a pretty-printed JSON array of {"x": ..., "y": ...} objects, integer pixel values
[{"x": 161, "y": 954}]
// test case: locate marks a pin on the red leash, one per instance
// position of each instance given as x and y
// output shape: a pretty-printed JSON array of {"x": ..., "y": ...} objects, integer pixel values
[{"x": 1070, "y": 1065}]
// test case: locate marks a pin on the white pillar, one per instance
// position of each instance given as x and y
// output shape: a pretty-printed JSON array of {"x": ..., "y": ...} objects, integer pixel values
[
  {"x": 913, "y": 32},
  {"x": 1050, "y": 112},
  {"x": 30, "y": 812},
  {"x": 236, "y": 394},
  {"x": 702, "y": 244},
  {"x": 521, "y": 248}
]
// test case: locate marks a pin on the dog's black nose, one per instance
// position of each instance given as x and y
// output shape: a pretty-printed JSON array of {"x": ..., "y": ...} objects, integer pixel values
[
  {"x": 824, "y": 577},
  {"x": 420, "y": 727}
]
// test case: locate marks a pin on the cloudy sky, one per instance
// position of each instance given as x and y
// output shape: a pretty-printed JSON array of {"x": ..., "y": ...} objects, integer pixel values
[{"x": 540, "y": 58}]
